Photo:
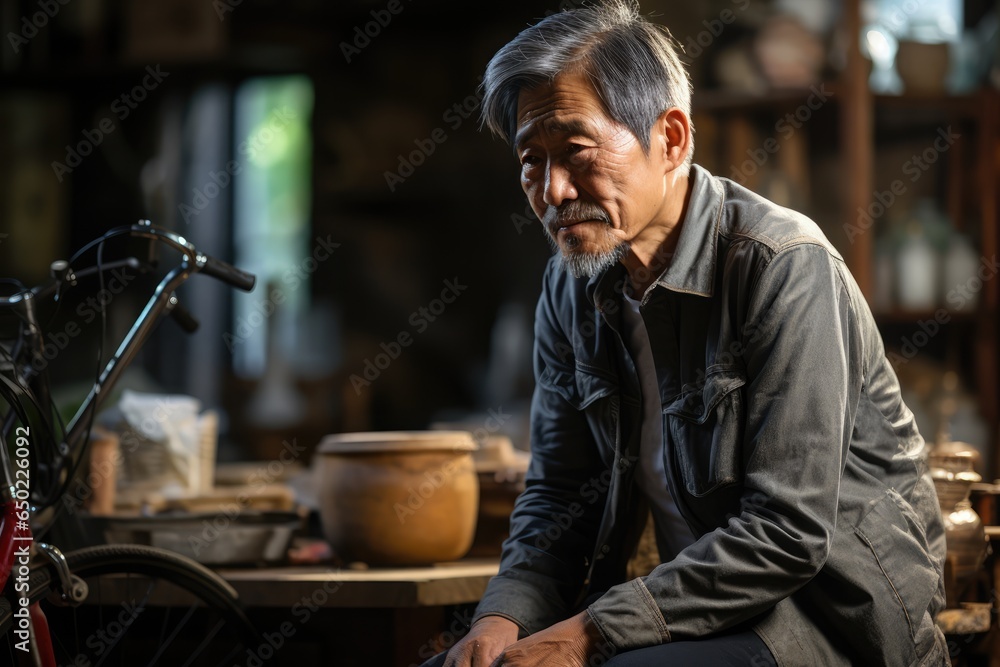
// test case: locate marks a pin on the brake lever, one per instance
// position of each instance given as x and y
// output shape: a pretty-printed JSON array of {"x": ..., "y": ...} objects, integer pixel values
[
  {"x": 153, "y": 255},
  {"x": 188, "y": 322},
  {"x": 63, "y": 274}
]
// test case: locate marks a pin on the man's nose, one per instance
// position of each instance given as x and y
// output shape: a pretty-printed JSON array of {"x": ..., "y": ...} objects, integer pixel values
[{"x": 558, "y": 185}]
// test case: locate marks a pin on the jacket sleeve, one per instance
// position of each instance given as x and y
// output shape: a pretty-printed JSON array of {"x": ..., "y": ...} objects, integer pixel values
[
  {"x": 554, "y": 522},
  {"x": 799, "y": 346}
]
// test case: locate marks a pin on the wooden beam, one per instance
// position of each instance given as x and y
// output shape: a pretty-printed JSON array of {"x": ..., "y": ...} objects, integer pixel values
[{"x": 857, "y": 152}]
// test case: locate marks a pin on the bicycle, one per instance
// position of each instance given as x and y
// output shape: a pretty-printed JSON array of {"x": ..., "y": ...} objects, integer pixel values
[{"x": 47, "y": 595}]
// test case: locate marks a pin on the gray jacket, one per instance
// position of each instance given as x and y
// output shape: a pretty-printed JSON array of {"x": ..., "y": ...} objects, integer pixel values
[{"x": 789, "y": 450}]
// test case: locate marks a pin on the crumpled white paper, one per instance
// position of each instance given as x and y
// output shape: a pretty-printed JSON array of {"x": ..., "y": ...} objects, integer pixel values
[{"x": 161, "y": 443}]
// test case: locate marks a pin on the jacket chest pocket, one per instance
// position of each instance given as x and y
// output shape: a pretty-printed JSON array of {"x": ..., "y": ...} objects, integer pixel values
[
  {"x": 593, "y": 393},
  {"x": 704, "y": 430}
]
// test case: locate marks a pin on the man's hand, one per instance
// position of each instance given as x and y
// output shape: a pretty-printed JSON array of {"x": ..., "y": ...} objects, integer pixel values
[
  {"x": 566, "y": 644},
  {"x": 487, "y": 639}
]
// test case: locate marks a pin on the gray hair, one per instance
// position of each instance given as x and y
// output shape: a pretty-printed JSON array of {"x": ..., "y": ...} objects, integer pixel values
[{"x": 631, "y": 62}]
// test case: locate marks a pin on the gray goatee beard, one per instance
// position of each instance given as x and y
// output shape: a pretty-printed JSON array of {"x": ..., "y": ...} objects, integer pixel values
[
  {"x": 579, "y": 263},
  {"x": 588, "y": 264}
]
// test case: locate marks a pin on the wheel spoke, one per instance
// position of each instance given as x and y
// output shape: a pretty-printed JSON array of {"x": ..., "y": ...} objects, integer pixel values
[
  {"x": 229, "y": 656},
  {"x": 141, "y": 606},
  {"x": 134, "y": 575},
  {"x": 204, "y": 642},
  {"x": 163, "y": 647}
]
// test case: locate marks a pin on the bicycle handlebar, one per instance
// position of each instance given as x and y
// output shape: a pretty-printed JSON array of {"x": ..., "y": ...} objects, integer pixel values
[
  {"x": 159, "y": 302},
  {"x": 228, "y": 273},
  {"x": 206, "y": 264},
  {"x": 211, "y": 266}
]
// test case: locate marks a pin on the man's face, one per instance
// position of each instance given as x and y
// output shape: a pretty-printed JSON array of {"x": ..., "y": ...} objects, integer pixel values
[{"x": 586, "y": 177}]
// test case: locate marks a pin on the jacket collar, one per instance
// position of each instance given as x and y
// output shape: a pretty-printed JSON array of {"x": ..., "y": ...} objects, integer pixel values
[{"x": 691, "y": 269}]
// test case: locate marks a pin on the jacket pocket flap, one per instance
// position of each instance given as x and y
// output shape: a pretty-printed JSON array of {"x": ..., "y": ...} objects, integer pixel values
[
  {"x": 580, "y": 388},
  {"x": 698, "y": 403}
]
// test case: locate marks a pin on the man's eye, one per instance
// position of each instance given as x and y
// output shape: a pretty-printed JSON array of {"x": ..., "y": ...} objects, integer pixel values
[{"x": 530, "y": 161}]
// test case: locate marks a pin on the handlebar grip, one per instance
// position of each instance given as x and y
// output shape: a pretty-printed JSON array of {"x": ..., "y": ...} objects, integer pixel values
[{"x": 229, "y": 274}]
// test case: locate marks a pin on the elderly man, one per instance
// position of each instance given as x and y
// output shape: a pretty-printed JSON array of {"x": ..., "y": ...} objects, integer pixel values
[{"x": 703, "y": 353}]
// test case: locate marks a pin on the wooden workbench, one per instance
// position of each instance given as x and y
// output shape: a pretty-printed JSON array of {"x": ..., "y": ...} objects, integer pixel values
[
  {"x": 377, "y": 617},
  {"x": 391, "y": 617},
  {"x": 437, "y": 585}
]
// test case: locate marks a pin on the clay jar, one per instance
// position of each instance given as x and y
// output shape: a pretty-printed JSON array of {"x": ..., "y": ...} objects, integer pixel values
[
  {"x": 398, "y": 498},
  {"x": 952, "y": 469},
  {"x": 923, "y": 67}
]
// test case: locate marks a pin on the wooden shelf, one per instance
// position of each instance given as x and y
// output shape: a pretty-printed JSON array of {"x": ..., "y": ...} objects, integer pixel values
[
  {"x": 720, "y": 99},
  {"x": 969, "y": 104},
  {"x": 74, "y": 76},
  {"x": 906, "y": 317}
]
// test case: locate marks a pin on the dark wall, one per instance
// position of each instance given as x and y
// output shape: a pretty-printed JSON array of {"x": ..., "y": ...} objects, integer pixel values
[{"x": 395, "y": 84}]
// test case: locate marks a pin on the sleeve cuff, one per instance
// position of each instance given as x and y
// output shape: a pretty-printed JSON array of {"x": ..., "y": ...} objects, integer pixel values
[
  {"x": 628, "y": 618},
  {"x": 522, "y": 631},
  {"x": 520, "y": 602}
]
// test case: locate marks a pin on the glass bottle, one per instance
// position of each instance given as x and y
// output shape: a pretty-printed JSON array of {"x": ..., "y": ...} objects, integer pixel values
[
  {"x": 917, "y": 270},
  {"x": 960, "y": 281}
]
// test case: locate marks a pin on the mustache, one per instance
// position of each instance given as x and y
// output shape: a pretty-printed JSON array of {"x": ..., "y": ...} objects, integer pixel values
[{"x": 571, "y": 213}]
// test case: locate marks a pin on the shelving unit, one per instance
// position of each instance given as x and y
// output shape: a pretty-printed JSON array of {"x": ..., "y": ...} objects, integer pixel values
[
  {"x": 849, "y": 133},
  {"x": 860, "y": 131}
]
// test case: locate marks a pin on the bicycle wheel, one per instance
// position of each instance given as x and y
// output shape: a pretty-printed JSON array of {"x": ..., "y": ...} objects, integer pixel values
[{"x": 145, "y": 606}]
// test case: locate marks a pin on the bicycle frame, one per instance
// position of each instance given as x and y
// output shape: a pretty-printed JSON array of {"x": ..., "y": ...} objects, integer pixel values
[
  {"x": 161, "y": 301},
  {"x": 15, "y": 531},
  {"x": 15, "y": 557}
]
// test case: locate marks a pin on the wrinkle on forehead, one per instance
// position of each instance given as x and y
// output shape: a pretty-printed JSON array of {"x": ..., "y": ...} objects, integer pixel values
[
  {"x": 602, "y": 130},
  {"x": 552, "y": 124},
  {"x": 568, "y": 105}
]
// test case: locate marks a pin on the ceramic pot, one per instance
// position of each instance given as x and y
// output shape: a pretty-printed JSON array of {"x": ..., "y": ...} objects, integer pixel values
[
  {"x": 923, "y": 67},
  {"x": 398, "y": 498},
  {"x": 953, "y": 475}
]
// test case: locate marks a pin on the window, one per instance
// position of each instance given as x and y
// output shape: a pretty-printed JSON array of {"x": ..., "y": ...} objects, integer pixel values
[{"x": 271, "y": 215}]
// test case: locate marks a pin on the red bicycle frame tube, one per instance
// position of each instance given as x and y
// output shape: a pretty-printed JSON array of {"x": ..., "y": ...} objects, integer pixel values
[
  {"x": 11, "y": 537},
  {"x": 15, "y": 537},
  {"x": 43, "y": 640}
]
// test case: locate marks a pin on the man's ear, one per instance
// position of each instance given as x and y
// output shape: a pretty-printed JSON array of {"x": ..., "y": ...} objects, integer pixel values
[{"x": 671, "y": 137}]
